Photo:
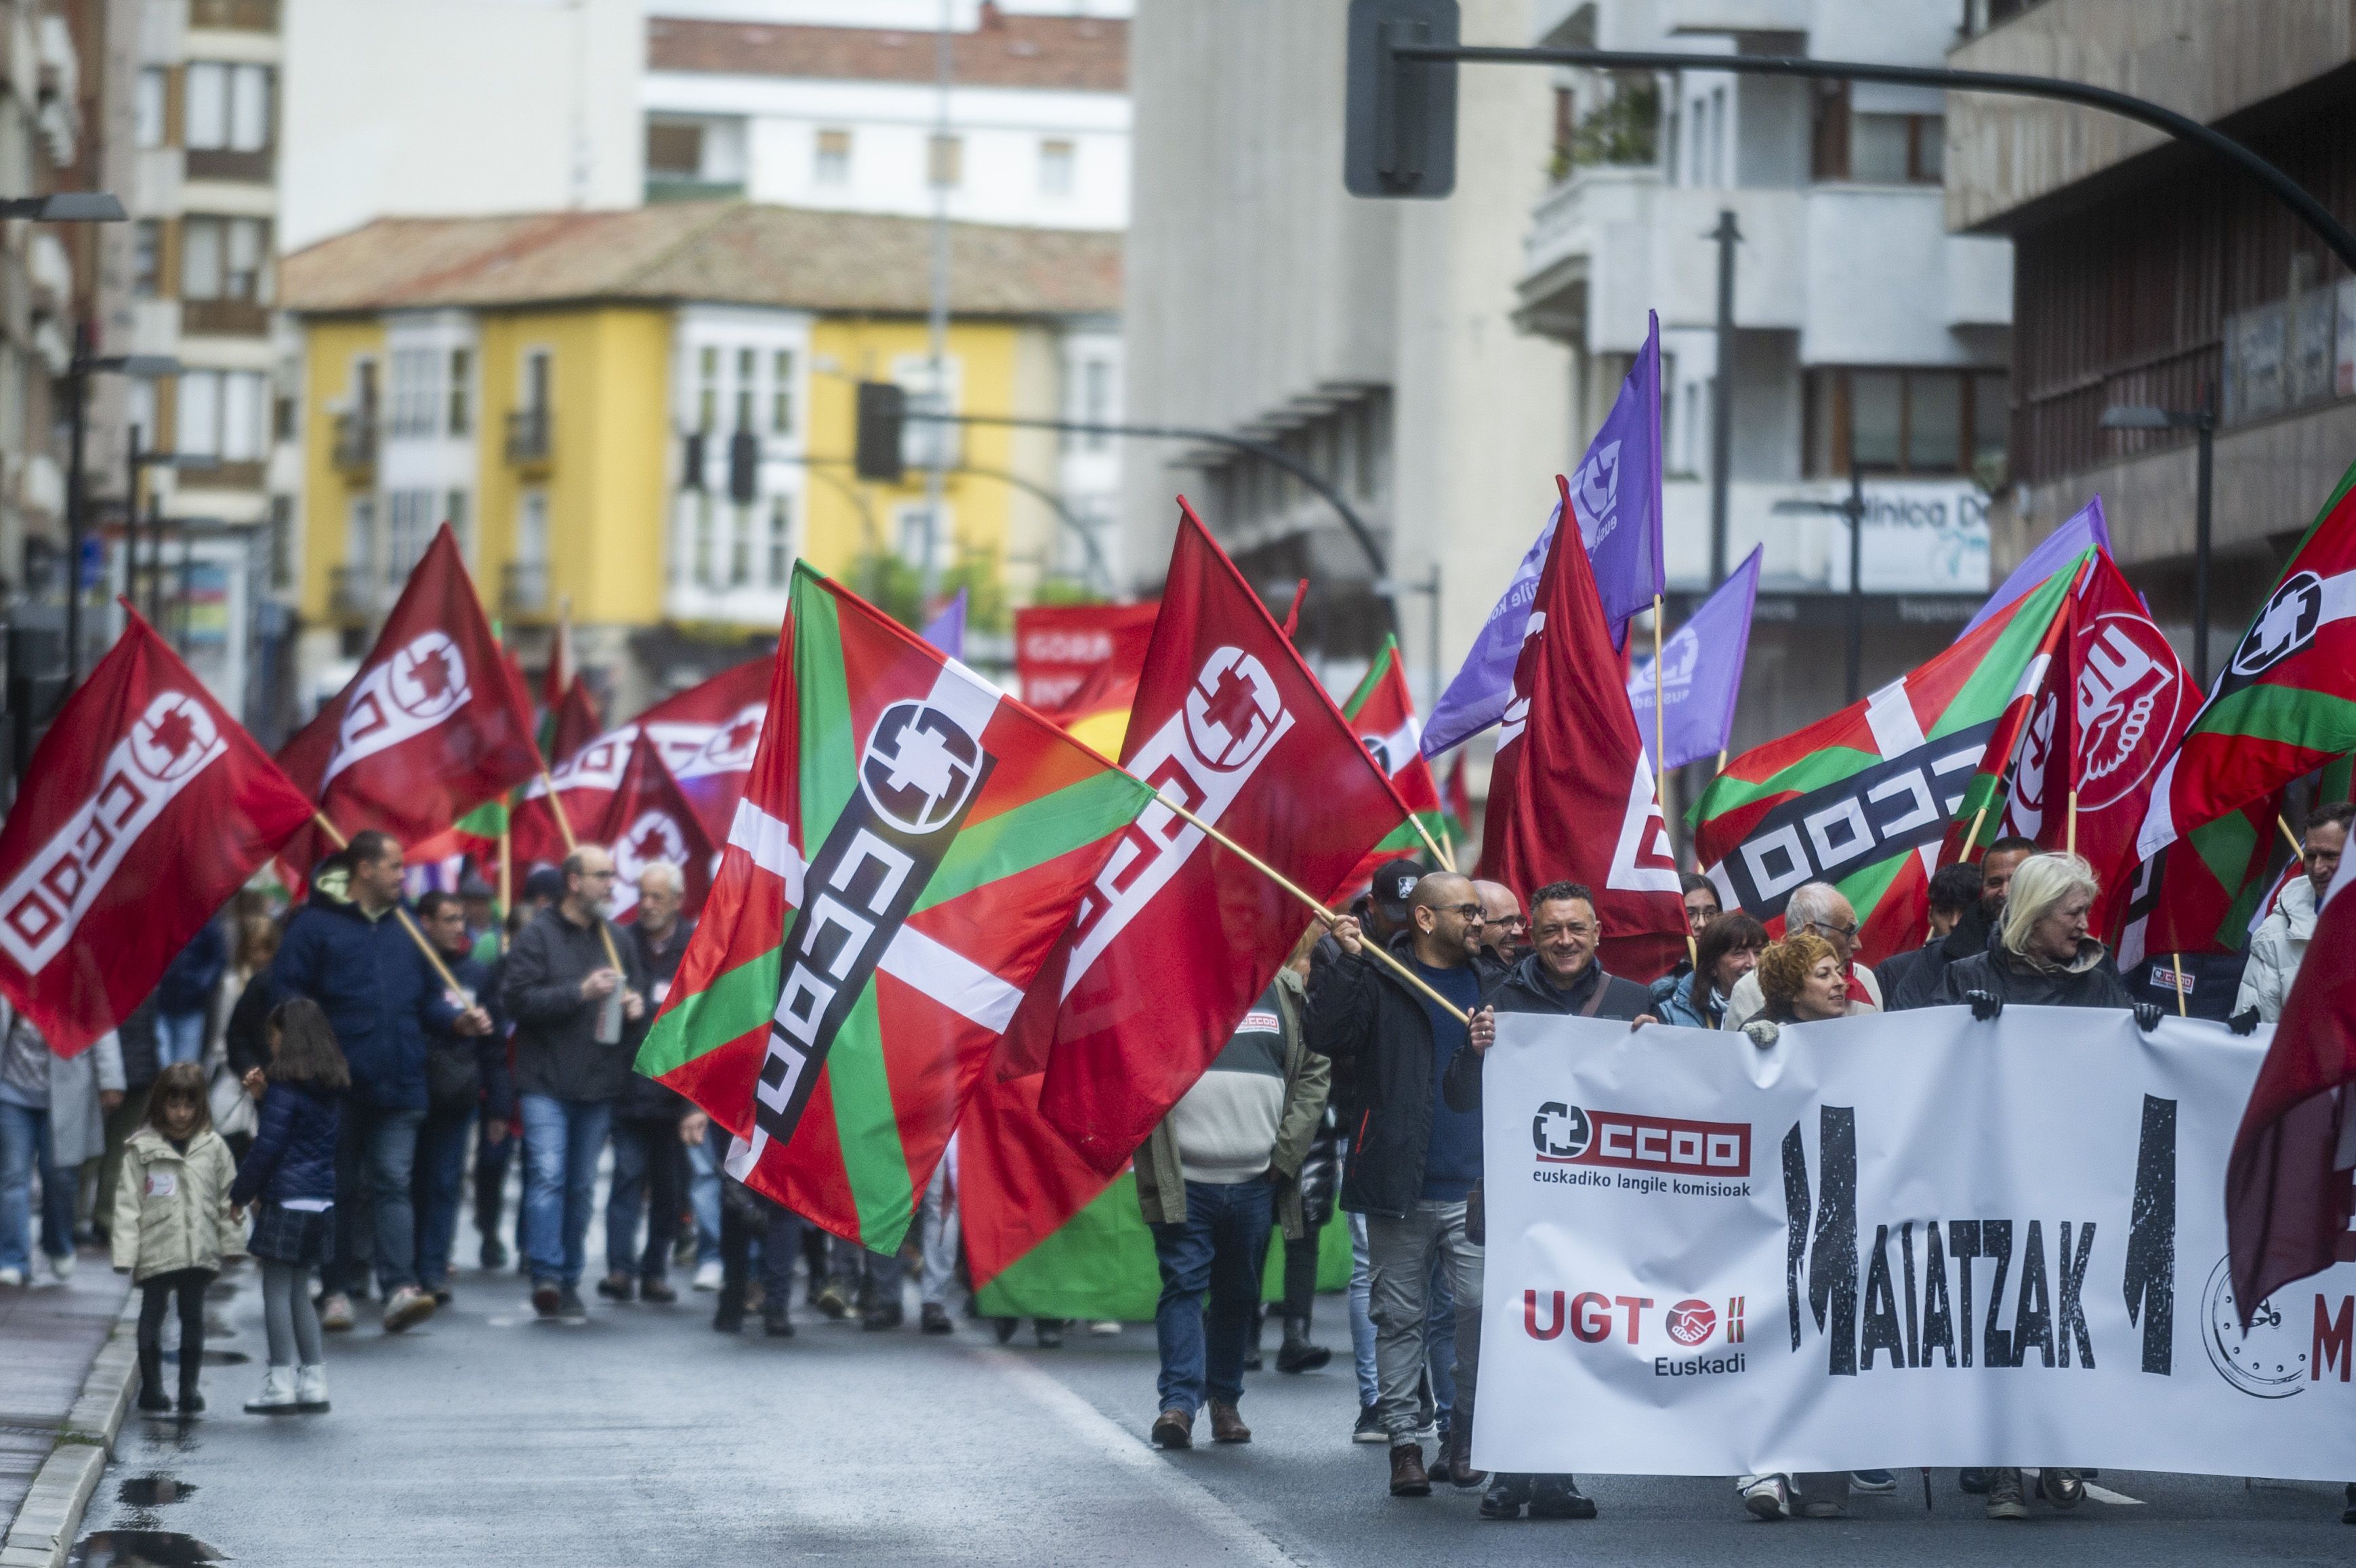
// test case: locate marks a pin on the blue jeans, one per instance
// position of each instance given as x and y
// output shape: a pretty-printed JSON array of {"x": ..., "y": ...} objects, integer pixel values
[
  {"x": 180, "y": 1038},
  {"x": 376, "y": 1158},
  {"x": 442, "y": 1143},
  {"x": 563, "y": 1139},
  {"x": 1216, "y": 1248},
  {"x": 703, "y": 1197},
  {"x": 25, "y": 1150}
]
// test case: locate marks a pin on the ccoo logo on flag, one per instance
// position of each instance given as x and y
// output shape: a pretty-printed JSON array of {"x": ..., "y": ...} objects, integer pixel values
[{"x": 919, "y": 767}]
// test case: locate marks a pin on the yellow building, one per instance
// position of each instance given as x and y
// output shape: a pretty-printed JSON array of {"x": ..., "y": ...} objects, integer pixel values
[{"x": 641, "y": 418}]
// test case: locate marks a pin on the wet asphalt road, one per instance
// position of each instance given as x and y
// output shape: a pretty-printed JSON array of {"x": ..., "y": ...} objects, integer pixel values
[{"x": 642, "y": 1437}]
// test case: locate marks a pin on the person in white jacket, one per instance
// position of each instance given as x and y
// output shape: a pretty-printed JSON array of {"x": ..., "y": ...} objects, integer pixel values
[{"x": 2280, "y": 946}]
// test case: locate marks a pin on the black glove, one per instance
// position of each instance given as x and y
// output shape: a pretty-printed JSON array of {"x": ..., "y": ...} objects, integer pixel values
[
  {"x": 2245, "y": 1021},
  {"x": 1986, "y": 1005},
  {"x": 2147, "y": 1016}
]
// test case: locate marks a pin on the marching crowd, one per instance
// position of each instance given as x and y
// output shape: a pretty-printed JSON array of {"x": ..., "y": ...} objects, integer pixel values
[{"x": 323, "y": 1077}]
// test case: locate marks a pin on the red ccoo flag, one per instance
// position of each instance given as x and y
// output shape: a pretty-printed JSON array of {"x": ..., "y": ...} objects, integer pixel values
[
  {"x": 432, "y": 725},
  {"x": 1570, "y": 743},
  {"x": 2288, "y": 1195},
  {"x": 1178, "y": 936},
  {"x": 647, "y": 820},
  {"x": 575, "y": 721},
  {"x": 146, "y": 807}
]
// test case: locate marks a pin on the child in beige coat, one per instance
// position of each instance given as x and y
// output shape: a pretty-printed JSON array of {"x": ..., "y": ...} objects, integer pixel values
[{"x": 172, "y": 1226}]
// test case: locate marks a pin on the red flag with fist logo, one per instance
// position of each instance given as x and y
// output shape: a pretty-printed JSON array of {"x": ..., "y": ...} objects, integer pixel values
[
  {"x": 1178, "y": 936},
  {"x": 433, "y": 725},
  {"x": 647, "y": 819},
  {"x": 145, "y": 808}
]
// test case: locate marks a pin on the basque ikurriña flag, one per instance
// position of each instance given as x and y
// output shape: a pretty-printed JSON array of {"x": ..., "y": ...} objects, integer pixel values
[
  {"x": 433, "y": 725},
  {"x": 910, "y": 844},
  {"x": 145, "y": 807},
  {"x": 1382, "y": 711},
  {"x": 1866, "y": 797},
  {"x": 648, "y": 820},
  {"x": 1703, "y": 674}
]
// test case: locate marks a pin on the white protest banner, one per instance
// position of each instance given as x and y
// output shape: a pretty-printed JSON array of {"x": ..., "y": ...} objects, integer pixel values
[{"x": 1888, "y": 1241}]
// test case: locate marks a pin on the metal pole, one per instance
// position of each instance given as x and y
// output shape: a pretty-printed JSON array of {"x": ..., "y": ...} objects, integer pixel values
[
  {"x": 1721, "y": 398},
  {"x": 936, "y": 321},
  {"x": 78, "y": 390},
  {"x": 155, "y": 559},
  {"x": 1855, "y": 512},
  {"x": 130, "y": 521},
  {"x": 2208, "y": 432}
]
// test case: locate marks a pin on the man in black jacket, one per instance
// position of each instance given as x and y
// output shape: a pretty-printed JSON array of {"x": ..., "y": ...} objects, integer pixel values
[
  {"x": 649, "y": 1161},
  {"x": 575, "y": 1044},
  {"x": 1559, "y": 976},
  {"x": 1955, "y": 891},
  {"x": 1412, "y": 1160}
]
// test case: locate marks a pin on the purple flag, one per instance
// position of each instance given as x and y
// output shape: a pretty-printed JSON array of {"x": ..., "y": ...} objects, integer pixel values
[
  {"x": 1616, "y": 493},
  {"x": 947, "y": 630},
  {"x": 1703, "y": 672},
  {"x": 2085, "y": 530}
]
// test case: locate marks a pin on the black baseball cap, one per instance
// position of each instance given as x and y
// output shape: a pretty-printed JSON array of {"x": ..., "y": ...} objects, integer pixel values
[{"x": 1394, "y": 884}]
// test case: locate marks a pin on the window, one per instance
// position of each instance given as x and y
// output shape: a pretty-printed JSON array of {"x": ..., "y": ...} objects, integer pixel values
[
  {"x": 458, "y": 511},
  {"x": 1055, "y": 160},
  {"x": 532, "y": 529},
  {"x": 1717, "y": 136},
  {"x": 674, "y": 151},
  {"x": 410, "y": 529},
  {"x": 781, "y": 540},
  {"x": 707, "y": 390},
  {"x": 1991, "y": 419},
  {"x": 147, "y": 111},
  {"x": 148, "y": 258},
  {"x": 462, "y": 393},
  {"x": 416, "y": 393},
  {"x": 1874, "y": 148},
  {"x": 833, "y": 164},
  {"x": 1096, "y": 403},
  {"x": 222, "y": 414},
  {"x": 360, "y": 533},
  {"x": 1565, "y": 128},
  {"x": 200, "y": 258},
  {"x": 781, "y": 393},
  {"x": 700, "y": 567},
  {"x": 1904, "y": 421},
  {"x": 226, "y": 107},
  {"x": 740, "y": 550},
  {"x": 748, "y": 373},
  {"x": 225, "y": 258},
  {"x": 538, "y": 368},
  {"x": 945, "y": 163}
]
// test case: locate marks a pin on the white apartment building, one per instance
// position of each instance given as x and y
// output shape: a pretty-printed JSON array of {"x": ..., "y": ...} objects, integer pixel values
[{"x": 1862, "y": 328}]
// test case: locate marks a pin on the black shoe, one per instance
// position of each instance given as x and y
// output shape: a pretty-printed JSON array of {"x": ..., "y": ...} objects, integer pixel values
[
  {"x": 729, "y": 1316},
  {"x": 2003, "y": 1499},
  {"x": 153, "y": 1400},
  {"x": 883, "y": 1319},
  {"x": 441, "y": 1294},
  {"x": 1558, "y": 1497},
  {"x": 774, "y": 1322},
  {"x": 934, "y": 1319},
  {"x": 570, "y": 1308},
  {"x": 617, "y": 1287},
  {"x": 192, "y": 1401},
  {"x": 546, "y": 1299},
  {"x": 1296, "y": 1354},
  {"x": 2060, "y": 1487},
  {"x": 1976, "y": 1482},
  {"x": 1370, "y": 1427},
  {"x": 2348, "y": 1514},
  {"x": 1505, "y": 1497},
  {"x": 1049, "y": 1331},
  {"x": 494, "y": 1254},
  {"x": 1004, "y": 1328}
]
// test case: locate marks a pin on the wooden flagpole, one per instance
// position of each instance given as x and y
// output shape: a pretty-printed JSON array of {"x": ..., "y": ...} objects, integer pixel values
[
  {"x": 2175, "y": 965},
  {"x": 2070, "y": 832},
  {"x": 2297, "y": 850},
  {"x": 1446, "y": 860},
  {"x": 507, "y": 875},
  {"x": 407, "y": 924},
  {"x": 573, "y": 846}
]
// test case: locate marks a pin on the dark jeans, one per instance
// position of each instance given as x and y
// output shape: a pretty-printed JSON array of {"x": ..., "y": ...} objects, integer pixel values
[
  {"x": 1216, "y": 1248},
  {"x": 746, "y": 1217},
  {"x": 491, "y": 1175},
  {"x": 441, "y": 1173},
  {"x": 872, "y": 1278},
  {"x": 376, "y": 1160},
  {"x": 650, "y": 1172},
  {"x": 155, "y": 1297}
]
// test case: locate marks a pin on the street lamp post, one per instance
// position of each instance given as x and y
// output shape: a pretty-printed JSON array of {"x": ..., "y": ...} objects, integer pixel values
[
  {"x": 138, "y": 461},
  {"x": 78, "y": 374},
  {"x": 2203, "y": 420}
]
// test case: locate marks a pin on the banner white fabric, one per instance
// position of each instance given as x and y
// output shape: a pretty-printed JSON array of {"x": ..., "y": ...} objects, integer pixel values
[{"x": 1888, "y": 1241}]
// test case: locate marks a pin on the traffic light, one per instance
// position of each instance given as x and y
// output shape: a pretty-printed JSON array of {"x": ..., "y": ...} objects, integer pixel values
[
  {"x": 744, "y": 467},
  {"x": 1399, "y": 132},
  {"x": 882, "y": 414}
]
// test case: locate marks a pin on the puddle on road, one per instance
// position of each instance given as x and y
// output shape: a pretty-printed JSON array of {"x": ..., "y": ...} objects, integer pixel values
[
  {"x": 154, "y": 1491},
  {"x": 142, "y": 1549}
]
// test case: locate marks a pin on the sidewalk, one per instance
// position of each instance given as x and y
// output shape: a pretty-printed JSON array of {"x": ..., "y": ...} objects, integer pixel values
[{"x": 52, "y": 1337}]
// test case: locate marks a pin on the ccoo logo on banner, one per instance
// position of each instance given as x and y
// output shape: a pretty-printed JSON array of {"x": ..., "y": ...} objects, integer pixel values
[{"x": 1884, "y": 1242}]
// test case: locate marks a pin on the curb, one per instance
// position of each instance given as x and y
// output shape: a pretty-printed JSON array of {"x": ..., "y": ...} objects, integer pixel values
[{"x": 50, "y": 1517}]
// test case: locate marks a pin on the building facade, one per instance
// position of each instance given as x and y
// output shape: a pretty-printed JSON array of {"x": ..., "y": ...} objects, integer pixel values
[
  {"x": 2149, "y": 273},
  {"x": 639, "y": 420}
]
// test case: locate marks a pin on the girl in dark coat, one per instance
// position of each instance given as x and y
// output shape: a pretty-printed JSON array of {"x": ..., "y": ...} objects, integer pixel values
[{"x": 292, "y": 1170}]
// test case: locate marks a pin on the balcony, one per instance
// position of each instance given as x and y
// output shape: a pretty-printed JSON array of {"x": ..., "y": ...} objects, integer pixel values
[
  {"x": 354, "y": 593},
  {"x": 355, "y": 448},
  {"x": 527, "y": 436},
  {"x": 235, "y": 15},
  {"x": 239, "y": 168},
  {"x": 224, "y": 319},
  {"x": 523, "y": 587}
]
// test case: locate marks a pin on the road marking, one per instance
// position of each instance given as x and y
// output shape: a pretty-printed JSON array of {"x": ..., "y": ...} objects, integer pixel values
[{"x": 1115, "y": 1443}]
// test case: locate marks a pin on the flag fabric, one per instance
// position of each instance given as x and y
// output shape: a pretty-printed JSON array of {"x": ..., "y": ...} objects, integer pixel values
[
  {"x": 2111, "y": 712},
  {"x": 1616, "y": 495},
  {"x": 146, "y": 805},
  {"x": 946, "y": 630},
  {"x": 433, "y": 725},
  {"x": 2204, "y": 892},
  {"x": 1097, "y": 713},
  {"x": 1180, "y": 936},
  {"x": 1058, "y": 647},
  {"x": 910, "y": 845},
  {"x": 705, "y": 735},
  {"x": 1570, "y": 790},
  {"x": 647, "y": 819},
  {"x": 1382, "y": 714},
  {"x": 2286, "y": 703},
  {"x": 2287, "y": 1197},
  {"x": 1865, "y": 798},
  {"x": 2085, "y": 530},
  {"x": 572, "y": 723},
  {"x": 1460, "y": 802},
  {"x": 1701, "y": 675}
]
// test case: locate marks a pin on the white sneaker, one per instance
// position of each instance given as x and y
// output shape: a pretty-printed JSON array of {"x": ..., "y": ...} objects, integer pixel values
[
  {"x": 311, "y": 1390},
  {"x": 1768, "y": 1498},
  {"x": 277, "y": 1394},
  {"x": 63, "y": 1267},
  {"x": 12, "y": 1276},
  {"x": 707, "y": 1275},
  {"x": 1107, "y": 1326},
  {"x": 408, "y": 1305}
]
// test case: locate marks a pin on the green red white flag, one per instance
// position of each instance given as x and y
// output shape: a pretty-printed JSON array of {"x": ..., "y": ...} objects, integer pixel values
[
  {"x": 1382, "y": 711},
  {"x": 1866, "y": 797},
  {"x": 910, "y": 844}
]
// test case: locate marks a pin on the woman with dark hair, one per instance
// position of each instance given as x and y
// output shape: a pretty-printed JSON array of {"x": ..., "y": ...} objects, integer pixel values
[
  {"x": 292, "y": 1170},
  {"x": 1727, "y": 949}
]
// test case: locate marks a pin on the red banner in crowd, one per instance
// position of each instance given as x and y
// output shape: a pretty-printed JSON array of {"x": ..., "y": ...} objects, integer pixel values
[
  {"x": 647, "y": 819},
  {"x": 1058, "y": 647}
]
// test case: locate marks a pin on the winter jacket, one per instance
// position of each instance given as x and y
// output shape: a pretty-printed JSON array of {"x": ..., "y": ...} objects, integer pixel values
[
  {"x": 1526, "y": 988},
  {"x": 2211, "y": 982},
  {"x": 556, "y": 1049},
  {"x": 68, "y": 1087},
  {"x": 1973, "y": 932},
  {"x": 171, "y": 1210},
  {"x": 2087, "y": 981},
  {"x": 1673, "y": 1002},
  {"x": 1372, "y": 1025},
  {"x": 1308, "y": 1078},
  {"x": 456, "y": 1064},
  {"x": 379, "y": 994},
  {"x": 189, "y": 980},
  {"x": 644, "y": 1100},
  {"x": 2276, "y": 951},
  {"x": 141, "y": 1060},
  {"x": 293, "y": 1152}
]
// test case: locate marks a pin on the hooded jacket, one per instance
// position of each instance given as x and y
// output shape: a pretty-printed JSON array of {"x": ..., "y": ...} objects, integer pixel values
[
  {"x": 171, "y": 1210},
  {"x": 2086, "y": 981},
  {"x": 2276, "y": 951},
  {"x": 379, "y": 994}
]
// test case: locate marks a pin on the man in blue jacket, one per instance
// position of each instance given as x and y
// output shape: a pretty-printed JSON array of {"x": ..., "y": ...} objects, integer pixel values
[{"x": 348, "y": 950}]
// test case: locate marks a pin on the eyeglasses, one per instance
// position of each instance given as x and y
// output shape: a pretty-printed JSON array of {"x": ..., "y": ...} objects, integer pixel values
[
  {"x": 1829, "y": 929},
  {"x": 598, "y": 876},
  {"x": 1472, "y": 912}
]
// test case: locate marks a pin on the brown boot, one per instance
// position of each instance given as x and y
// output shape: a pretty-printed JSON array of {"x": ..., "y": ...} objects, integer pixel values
[
  {"x": 1226, "y": 1425},
  {"x": 1173, "y": 1428},
  {"x": 1455, "y": 1465},
  {"x": 1409, "y": 1478}
]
